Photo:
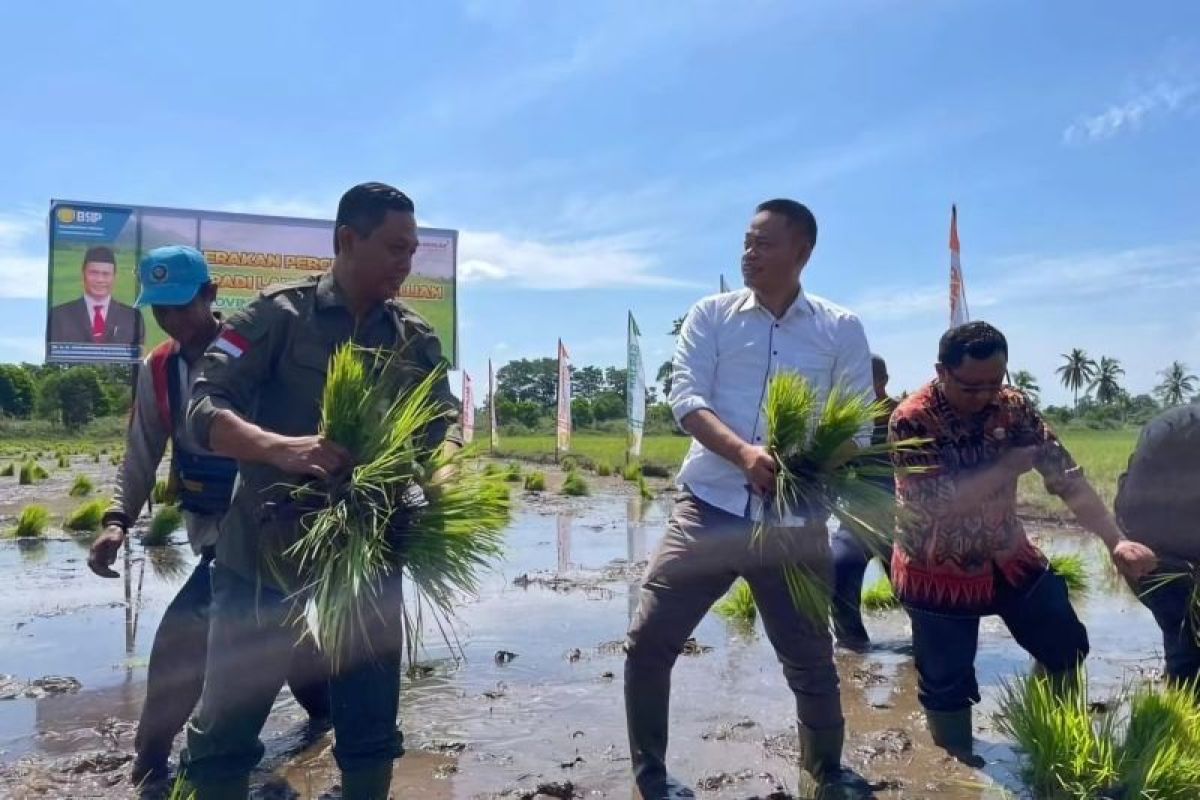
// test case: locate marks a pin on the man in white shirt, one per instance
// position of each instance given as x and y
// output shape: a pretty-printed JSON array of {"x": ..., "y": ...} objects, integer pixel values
[{"x": 728, "y": 349}]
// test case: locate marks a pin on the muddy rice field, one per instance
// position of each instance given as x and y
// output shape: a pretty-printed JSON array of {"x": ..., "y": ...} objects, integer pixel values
[{"x": 534, "y": 705}]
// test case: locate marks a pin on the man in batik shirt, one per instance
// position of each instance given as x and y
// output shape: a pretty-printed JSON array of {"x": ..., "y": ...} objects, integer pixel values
[{"x": 961, "y": 552}]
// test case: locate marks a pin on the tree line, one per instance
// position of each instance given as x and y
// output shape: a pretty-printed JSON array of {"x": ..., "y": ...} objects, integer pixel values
[{"x": 70, "y": 396}]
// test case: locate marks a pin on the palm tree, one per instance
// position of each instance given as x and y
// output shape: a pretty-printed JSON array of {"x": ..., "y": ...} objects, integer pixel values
[
  {"x": 1077, "y": 372},
  {"x": 664, "y": 376},
  {"x": 1106, "y": 383},
  {"x": 1177, "y": 384},
  {"x": 1023, "y": 379}
]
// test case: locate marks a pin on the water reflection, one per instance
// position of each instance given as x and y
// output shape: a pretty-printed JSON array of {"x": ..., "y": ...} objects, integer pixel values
[
  {"x": 32, "y": 550},
  {"x": 563, "y": 542}
]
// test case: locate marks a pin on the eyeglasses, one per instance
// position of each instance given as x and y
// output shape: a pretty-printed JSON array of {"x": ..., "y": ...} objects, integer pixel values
[{"x": 973, "y": 388}]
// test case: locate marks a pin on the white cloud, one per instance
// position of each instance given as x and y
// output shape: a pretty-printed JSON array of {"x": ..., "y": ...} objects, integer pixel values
[
  {"x": 1162, "y": 98},
  {"x": 608, "y": 262},
  {"x": 282, "y": 207},
  {"x": 22, "y": 255}
]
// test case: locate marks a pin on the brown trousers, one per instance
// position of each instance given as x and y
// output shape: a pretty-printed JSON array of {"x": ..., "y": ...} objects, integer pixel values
[{"x": 703, "y": 551}]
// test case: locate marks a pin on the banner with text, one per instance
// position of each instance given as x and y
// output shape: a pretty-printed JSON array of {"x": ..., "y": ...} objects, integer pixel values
[{"x": 95, "y": 249}]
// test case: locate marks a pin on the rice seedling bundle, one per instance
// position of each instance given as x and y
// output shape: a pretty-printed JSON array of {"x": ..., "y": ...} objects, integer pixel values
[
  {"x": 1147, "y": 746},
  {"x": 604, "y": 469},
  {"x": 32, "y": 521},
  {"x": 575, "y": 485},
  {"x": 632, "y": 472},
  {"x": 39, "y": 472},
  {"x": 64, "y": 462},
  {"x": 87, "y": 517},
  {"x": 535, "y": 482},
  {"x": 8, "y": 471},
  {"x": 387, "y": 516},
  {"x": 82, "y": 486},
  {"x": 165, "y": 522},
  {"x": 820, "y": 470},
  {"x": 644, "y": 488},
  {"x": 161, "y": 493},
  {"x": 738, "y": 604},
  {"x": 1071, "y": 568},
  {"x": 29, "y": 474},
  {"x": 513, "y": 475},
  {"x": 879, "y": 595}
]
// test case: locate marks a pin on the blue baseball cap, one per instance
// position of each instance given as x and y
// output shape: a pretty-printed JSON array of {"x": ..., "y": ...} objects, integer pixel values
[{"x": 171, "y": 276}]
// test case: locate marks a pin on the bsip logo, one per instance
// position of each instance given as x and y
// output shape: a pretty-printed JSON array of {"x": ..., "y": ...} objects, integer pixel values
[{"x": 69, "y": 216}]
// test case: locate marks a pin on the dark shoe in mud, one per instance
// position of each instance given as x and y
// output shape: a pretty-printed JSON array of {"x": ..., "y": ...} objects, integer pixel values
[
  {"x": 147, "y": 772},
  {"x": 951, "y": 731},
  {"x": 839, "y": 784},
  {"x": 854, "y": 644},
  {"x": 666, "y": 789}
]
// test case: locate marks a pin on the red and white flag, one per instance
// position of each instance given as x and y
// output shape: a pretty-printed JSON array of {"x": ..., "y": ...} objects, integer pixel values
[
  {"x": 232, "y": 342},
  {"x": 563, "y": 428},
  {"x": 495, "y": 433},
  {"x": 958, "y": 289},
  {"x": 468, "y": 409}
]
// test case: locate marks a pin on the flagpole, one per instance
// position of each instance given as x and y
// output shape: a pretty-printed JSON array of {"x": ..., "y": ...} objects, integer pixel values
[{"x": 558, "y": 402}]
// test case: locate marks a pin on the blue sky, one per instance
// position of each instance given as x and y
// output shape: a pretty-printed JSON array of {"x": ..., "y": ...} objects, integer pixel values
[{"x": 607, "y": 156}]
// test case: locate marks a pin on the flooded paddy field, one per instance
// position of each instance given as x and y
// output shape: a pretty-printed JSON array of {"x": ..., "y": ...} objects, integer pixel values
[{"x": 535, "y": 703}]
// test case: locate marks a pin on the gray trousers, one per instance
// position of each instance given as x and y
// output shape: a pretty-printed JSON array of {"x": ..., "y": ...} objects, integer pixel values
[{"x": 704, "y": 550}]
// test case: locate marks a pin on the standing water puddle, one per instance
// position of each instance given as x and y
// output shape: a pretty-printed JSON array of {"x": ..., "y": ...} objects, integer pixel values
[{"x": 537, "y": 698}]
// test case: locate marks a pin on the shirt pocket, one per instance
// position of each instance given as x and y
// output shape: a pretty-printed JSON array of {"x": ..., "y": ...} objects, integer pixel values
[{"x": 813, "y": 363}]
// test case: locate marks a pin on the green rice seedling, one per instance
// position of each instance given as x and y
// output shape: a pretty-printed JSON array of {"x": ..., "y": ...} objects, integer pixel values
[
  {"x": 604, "y": 469},
  {"x": 115, "y": 459},
  {"x": 1071, "y": 568},
  {"x": 644, "y": 488},
  {"x": 738, "y": 604},
  {"x": 64, "y": 462},
  {"x": 1160, "y": 754},
  {"x": 28, "y": 474},
  {"x": 32, "y": 522},
  {"x": 40, "y": 473},
  {"x": 535, "y": 482},
  {"x": 879, "y": 595},
  {"x": 385, "y": 517},
  {"x": 820, "y": 468},
  {"x": 575, "y": 485},
  {"x": 1067, "y": 753},
  {"x": 161, "y": 494},
  {"x": 513, "y": 474},
  {"x": 82, "y": 486},
  {"x": 87, "y": 517},
  {"x": 165, "y": 522},
  {"x": 95, "y": 458},
  {"x": 492, "y": 469},
  {"x": 632, "y": 471},
  {"x": 168, "y": 563},
  {"x": 568, "y": 463},
  {"x": 1172, "y": 570},
  {"x": 9, "y": 470}
]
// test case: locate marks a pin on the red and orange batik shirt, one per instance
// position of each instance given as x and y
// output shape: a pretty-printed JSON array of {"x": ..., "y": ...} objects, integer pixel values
[{"x": 949, "y": 559}]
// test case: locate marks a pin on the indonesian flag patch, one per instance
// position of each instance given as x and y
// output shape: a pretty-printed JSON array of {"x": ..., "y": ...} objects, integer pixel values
[{"x": 232, "y": 342}]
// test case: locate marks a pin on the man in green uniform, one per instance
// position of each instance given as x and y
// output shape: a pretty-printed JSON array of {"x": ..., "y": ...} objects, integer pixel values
[{"x": 258, "y": 400}]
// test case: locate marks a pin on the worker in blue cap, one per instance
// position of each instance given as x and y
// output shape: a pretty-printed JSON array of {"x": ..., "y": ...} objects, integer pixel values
[{"x": 176, "y": 285}]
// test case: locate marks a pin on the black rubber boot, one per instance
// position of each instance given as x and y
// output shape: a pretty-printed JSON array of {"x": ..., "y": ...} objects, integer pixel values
[
  {"x": 822, "y": 776},
  {"x": 232, "y": 789},
  {"x": 371, "y": 783},
  {"x": 951, "y": 731}
]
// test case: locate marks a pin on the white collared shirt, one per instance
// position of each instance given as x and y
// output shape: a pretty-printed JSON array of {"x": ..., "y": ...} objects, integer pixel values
[{"x": 729, "y": 347}]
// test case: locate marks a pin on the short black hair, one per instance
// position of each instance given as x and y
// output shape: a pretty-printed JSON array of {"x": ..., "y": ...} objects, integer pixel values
[
  {"x": 101, "y": 254},
  {"x": 797, "y": 215},
  {"x": 979, "y": 340},
  {"x": 363, "y": 208},
  {"x": 878, "y": 367}
]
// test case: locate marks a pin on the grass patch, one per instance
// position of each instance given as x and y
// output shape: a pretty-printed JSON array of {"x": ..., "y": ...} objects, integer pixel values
[
  {"x": 879, "y": 595},
  {"x": 513, "y": 473},
  {"x": 1146, "y": 747},
  {"x": 575, "y": 485},
  {"x": 82, "y": 486},
  {"x": 1071, "y": 568},
  {"x": 738, "y": 604},
  {"x": 604, "y": 469},
  {"x": 535, "y": 482},
  {"x": 166, "y": 521},
  {"x": 87, "y": 517},
  {"x": 632, "y": 472},
  {"x": 32, "y": 522},
  {"x": 161, "y": 495}
]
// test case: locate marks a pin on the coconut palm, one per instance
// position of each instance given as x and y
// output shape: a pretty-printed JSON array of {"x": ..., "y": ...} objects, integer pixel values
[
  {"x": 1106, "y": 383},
  {"x": 1077, "y": 372},
  {"x": 1023, "y": 379},
  {"x": 1178, "y": 384}
]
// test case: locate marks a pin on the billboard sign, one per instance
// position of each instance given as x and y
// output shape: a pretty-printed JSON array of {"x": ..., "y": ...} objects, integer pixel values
[{"x": 95, "y": 249}]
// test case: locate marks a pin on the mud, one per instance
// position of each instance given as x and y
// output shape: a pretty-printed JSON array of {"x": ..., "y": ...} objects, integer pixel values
[{"x": 534, "y": 705}]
